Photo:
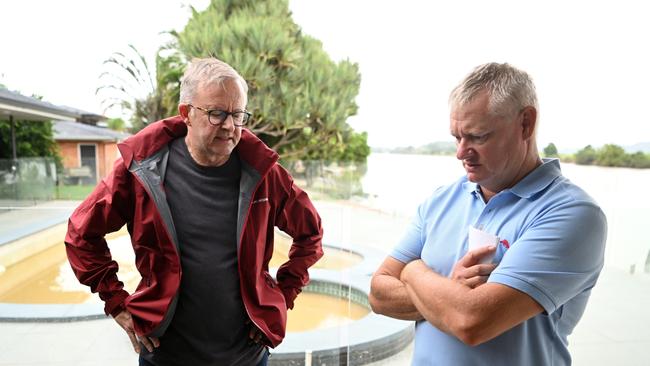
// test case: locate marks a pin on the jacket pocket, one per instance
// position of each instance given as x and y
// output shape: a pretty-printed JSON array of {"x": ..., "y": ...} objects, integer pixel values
[
  {"x": 145, "y": 267},
  {"x": 143, "y": 286},
  {"x": 275, "y": 294},
  {"x": 270, "y": 281}
]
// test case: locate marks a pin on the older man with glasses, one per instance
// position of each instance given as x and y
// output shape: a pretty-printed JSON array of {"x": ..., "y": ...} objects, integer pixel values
[{"x": 200, "y": 196}]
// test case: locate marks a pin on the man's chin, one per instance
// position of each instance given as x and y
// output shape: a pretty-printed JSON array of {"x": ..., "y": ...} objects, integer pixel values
[
  {"x": 473, "y": 177},
  {"x": 222, "y": 144}
]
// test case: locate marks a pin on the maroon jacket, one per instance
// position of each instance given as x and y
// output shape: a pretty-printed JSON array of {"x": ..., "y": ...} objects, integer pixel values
[{"x": 134, "y": 194}]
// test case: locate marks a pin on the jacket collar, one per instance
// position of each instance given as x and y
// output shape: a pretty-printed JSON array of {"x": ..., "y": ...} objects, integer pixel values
[{"x": 158, "y": 134}]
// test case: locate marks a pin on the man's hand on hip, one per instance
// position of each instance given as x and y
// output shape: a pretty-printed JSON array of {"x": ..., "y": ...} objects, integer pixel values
[
  {"x": 255, "y": 334},
  {"x": 126, "y": 322}
]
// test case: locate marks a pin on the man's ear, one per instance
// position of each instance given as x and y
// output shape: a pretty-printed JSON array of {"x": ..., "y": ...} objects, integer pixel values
[
  {"x": 528, "y": 122},
  {"x": 184, "y": 111}
]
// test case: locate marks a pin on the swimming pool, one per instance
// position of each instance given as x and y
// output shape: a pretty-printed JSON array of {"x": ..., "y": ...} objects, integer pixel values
[{"x": 331, "y": 322}]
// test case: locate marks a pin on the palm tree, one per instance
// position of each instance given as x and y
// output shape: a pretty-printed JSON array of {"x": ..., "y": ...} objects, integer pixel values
[{"x": 129, "y": 84}]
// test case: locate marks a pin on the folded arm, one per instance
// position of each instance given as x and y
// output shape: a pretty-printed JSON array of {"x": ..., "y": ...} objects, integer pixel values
[
  {"x": 388, "y": 294},
  {"x": 473, "y": 315}
]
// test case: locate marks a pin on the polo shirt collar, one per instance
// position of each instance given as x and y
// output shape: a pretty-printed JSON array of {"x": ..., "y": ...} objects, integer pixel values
[
  {"x": 470, "y": 187},
  {"x": 533, "y": 183},
  {"x": 538, "y": 179}
]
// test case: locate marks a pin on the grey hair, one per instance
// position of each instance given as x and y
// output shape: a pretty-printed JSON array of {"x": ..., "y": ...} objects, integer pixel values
[
  {"x": 509, "y": 89},
  {"x": 203, "y": 71}
]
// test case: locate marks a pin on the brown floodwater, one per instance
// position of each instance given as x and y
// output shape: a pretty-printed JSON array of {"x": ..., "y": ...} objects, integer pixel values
[
  {"x": 46, "y": 278},
  {"x": 333, "y": 258},
  {"x": 318, "y": 311}
]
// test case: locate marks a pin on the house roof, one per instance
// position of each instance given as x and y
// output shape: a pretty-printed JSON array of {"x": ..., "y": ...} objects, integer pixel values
[
  {"x": 85, "y": 116},
  {"x": 28, "y": 108},
  {"x": 75, "y": 131}
]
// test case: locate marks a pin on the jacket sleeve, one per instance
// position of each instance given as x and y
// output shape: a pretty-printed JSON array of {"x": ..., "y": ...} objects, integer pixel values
[
  {"x": 105, "y": 210},
  {"x": 298, "y": 218}
]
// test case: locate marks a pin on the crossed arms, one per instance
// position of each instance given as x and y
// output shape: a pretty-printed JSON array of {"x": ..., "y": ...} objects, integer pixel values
[{"x": 464, "y": 306}]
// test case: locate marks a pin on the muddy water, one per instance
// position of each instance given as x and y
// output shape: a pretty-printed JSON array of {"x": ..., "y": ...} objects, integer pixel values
[
  {"x": 317, "y": 311},
  {"x": 46, "y": 278},
  {"x": 333, "y": 259}
]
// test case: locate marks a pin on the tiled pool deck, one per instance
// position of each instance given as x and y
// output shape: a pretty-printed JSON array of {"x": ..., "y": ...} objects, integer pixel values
[
  {"x": 614, "y": 330},
  {"x": 26, "y": 220}
]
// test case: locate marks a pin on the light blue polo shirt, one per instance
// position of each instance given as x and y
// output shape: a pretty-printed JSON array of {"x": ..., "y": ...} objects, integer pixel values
[{"x": 556, "y": 235}]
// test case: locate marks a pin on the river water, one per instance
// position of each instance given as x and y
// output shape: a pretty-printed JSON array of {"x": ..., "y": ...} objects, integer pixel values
[{"x": 397, "y": 183}]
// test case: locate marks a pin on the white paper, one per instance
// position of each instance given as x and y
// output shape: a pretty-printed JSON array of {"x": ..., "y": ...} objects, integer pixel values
[{"x": 479, "y": 238}]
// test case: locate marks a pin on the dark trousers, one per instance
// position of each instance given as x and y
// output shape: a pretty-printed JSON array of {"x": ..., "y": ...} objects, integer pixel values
[{"x": 263, "y": 361}]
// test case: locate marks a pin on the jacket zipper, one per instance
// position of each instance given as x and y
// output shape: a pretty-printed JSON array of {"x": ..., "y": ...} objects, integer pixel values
[
  {"x": 250, "y": 204},
  {"x": 178, "y": 257}
]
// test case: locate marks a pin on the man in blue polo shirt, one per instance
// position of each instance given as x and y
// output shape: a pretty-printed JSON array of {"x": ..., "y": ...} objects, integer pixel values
[{"x": 515, "y": 298}]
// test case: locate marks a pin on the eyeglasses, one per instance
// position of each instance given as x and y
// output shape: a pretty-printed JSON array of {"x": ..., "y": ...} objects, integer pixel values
[{"x": 216, "y": 116}]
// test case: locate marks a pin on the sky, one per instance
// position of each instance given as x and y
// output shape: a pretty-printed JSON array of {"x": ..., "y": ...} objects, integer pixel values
[{"x": 588, "y": 59}]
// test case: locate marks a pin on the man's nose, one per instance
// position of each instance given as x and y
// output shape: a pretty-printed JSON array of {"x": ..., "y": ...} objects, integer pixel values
[
  {"x": 228, "y": 123},
  {"x": 463, "y": 149}
]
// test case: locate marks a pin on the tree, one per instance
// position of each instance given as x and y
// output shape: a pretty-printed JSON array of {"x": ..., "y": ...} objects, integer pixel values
[
  {"x": 299, "y": 97},
  {"x": 116, "y": 124},
  {"x": 586, "y": 156},
  {"x": 356, "y": 148},
  {"x": 639, "y": 160},
  {"x": 129, "y": 83},
  {"x": 550, "y": 151},
  {"x": 612, "y": 155},
  {"x": 33, "y": 139}
]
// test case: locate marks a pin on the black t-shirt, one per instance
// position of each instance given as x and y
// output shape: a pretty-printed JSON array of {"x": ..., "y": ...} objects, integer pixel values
[{"x": 210, "y": 323}]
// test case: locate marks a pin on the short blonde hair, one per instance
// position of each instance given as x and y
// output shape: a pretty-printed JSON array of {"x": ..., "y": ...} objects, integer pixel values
[
  {"x": 206, "y": 71},
  {"x": 509, "y": 89}
]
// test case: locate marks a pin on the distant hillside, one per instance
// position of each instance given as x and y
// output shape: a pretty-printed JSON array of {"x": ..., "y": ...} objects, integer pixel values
[
  {"x": 448, "y": 148},
  {"x": 641, "y": 146},
  {"x": 644, "y": 147},
  {"x": 433, "y": 148}
]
